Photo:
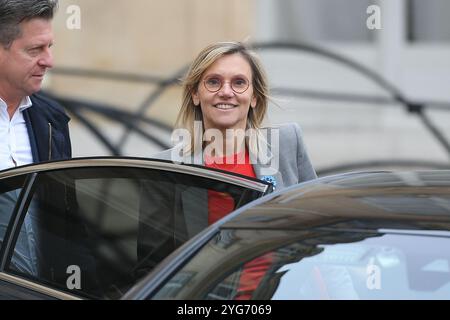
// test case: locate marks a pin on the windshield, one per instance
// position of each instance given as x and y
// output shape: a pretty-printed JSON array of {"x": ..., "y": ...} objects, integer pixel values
[{"x": 317, "y": 264}]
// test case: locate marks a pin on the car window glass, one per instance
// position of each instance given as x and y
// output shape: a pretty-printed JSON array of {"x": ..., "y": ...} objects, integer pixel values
[
  {"x": 10, "y": 189},
  {"x": 96, "y": 231},
  {"x": 270, "y": 264}
]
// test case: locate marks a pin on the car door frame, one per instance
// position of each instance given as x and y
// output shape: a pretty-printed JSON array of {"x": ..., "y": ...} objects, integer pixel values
[{"x": 32, "y": 171}]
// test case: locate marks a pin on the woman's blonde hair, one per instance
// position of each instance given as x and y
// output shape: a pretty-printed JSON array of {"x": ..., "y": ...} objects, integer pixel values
[{"x": 189, "y": 112}]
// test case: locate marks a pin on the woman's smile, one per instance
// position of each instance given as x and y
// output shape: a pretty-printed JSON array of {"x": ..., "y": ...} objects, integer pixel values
[{"x": 225, "y": 106}]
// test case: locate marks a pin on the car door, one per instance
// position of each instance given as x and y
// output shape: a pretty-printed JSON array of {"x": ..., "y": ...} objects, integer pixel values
[
  {"x": 91, "y": 228},
  {"x": 10, "y": 191}
]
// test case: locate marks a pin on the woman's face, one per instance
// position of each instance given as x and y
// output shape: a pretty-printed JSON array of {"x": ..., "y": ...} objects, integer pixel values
[{"x": 226, "y": 108}]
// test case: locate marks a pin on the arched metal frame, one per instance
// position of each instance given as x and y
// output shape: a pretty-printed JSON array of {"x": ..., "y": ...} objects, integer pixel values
[{"x": 132, "y": 121}]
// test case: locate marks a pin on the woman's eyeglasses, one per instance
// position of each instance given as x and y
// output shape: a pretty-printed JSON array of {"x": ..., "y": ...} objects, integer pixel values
[{"x": 238, "y": 84}]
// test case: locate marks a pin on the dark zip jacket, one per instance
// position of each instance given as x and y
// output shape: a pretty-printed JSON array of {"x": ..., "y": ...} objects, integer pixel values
[{"x": 48, "y": 129}]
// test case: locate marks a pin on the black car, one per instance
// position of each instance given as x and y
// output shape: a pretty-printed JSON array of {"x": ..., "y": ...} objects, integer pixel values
[
  {"x": 83, "y": 228},
  {"x": 375, "y": 235}
]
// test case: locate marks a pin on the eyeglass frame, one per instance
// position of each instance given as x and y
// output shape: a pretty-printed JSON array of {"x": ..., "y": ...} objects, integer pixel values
[{"x": 224, "y": 81}]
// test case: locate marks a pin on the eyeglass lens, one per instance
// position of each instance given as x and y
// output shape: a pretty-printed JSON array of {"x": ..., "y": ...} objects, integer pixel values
[{"x": 238, "y": 84}]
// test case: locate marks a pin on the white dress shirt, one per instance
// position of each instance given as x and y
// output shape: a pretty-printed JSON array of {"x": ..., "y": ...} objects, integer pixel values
[{"x": 15, "y": 148}]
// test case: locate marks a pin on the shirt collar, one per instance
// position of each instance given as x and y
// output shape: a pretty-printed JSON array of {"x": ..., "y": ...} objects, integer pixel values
[{"x": 24, "y": 104}]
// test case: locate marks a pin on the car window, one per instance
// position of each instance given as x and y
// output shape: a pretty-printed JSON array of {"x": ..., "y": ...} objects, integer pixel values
[
  {"x": 96, "y": 231},
  {"x": 10, "y": 189},
  {"x": 271, "y": 264}
]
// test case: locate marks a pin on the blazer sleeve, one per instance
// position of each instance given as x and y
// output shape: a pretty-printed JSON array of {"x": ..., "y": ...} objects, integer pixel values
[{"x": 305, "y": 169}]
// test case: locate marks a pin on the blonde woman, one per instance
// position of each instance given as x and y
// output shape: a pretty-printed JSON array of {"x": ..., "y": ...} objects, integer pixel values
[{"x": 225, "y": 100}]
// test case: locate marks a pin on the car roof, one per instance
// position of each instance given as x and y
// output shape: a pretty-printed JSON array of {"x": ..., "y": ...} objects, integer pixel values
[{"x": 363, "y": 200}]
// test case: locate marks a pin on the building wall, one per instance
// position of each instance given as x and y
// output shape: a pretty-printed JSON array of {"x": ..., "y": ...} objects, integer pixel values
[
  {"x": 147, "y": 37},
  {"x": 342, "y": 132}
]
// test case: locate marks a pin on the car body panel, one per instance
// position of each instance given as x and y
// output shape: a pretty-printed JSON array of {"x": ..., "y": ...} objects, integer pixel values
[{"x": 353, "y": 205}]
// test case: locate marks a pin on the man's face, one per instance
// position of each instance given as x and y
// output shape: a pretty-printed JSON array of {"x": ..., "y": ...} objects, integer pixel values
[{"x": 24, "y": 63}]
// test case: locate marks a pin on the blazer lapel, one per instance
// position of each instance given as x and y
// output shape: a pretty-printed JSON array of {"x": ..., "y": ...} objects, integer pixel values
[{"x": 266, "y": 165}]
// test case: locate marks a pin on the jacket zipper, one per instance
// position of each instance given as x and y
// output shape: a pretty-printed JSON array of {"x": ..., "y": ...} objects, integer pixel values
[{"x": 49, "y": 141}]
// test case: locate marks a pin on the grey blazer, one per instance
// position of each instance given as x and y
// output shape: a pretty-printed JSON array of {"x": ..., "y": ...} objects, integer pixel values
[{"x": 168, "y": 218}]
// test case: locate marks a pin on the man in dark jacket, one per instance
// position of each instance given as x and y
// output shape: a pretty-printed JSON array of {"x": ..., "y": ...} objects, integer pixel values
[
  {"x": 33, "y": 128},
  {"x": 25, "y": 39}
]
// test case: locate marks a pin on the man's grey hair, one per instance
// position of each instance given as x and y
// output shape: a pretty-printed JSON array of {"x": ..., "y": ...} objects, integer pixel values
[{"x": 13, "y": 12}]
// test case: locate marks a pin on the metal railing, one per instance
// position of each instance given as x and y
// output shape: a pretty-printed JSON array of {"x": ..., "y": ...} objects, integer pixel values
[{"x": 133, "y": 121}]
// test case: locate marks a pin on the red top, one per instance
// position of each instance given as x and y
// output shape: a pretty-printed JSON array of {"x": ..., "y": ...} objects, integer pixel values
[
  {"x": 252, "y": 275},
  {"x": 220, "y": 204}
]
